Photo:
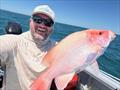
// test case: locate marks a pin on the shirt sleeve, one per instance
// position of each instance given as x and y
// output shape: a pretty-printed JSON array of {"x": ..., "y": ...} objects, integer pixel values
[{"x": 7, "y": 44}]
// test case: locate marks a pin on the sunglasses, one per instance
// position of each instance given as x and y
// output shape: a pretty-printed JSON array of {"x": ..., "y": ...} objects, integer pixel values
[{"x": 47, "y": 22}]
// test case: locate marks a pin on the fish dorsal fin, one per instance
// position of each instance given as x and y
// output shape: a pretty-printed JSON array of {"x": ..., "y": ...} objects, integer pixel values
[{"x": 62, "y": 81}]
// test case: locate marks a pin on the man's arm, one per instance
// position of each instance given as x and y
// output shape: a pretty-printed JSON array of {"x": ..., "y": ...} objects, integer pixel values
[{"x": 7, "y": 44}]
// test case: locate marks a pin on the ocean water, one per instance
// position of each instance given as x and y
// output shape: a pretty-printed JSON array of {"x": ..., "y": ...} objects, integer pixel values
[{"x": 109, "y": 61}]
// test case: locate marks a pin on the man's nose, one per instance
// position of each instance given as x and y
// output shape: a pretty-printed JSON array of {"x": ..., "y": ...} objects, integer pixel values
[{"x": 42, "y": 25}]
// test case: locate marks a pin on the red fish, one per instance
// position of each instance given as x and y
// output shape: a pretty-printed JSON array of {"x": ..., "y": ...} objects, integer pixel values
[{"x": 73, "y": 54}]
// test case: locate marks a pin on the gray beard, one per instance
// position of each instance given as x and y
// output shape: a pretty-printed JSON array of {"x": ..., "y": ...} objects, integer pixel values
[{"x": 40, "y": 42}]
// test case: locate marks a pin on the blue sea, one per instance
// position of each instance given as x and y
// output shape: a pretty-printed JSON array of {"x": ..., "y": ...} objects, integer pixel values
[{"x": 109, "y": 61}]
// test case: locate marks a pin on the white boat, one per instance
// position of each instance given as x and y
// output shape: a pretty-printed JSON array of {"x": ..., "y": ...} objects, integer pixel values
[{"x": 100, "y": 81}]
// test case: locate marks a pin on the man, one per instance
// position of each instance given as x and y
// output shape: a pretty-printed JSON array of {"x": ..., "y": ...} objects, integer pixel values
[{"x": 26, "y": 51}]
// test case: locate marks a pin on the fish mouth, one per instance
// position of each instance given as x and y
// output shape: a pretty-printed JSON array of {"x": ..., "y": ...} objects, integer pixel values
[{"x": 112, "y": 35}]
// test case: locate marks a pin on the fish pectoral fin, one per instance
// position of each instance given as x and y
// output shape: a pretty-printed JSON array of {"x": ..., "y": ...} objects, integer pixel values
[
  {"x": 62, "y": 81},
  {"x": 95, "y": 67}
]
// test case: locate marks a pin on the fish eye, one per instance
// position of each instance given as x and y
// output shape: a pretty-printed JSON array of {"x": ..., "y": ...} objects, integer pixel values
[{"x": 100, "y": 33}]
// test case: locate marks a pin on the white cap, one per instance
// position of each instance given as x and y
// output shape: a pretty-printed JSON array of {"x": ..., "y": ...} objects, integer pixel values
[{"x": 44, "y": 9}]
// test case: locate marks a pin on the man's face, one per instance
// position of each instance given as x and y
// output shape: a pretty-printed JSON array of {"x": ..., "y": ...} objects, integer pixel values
[{"x": 40, "y": 26}]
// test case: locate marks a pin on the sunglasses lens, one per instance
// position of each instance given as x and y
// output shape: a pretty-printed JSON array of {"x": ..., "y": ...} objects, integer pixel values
[
  {"x": 37, "y": 19},
  {"x": 47, "y": 22}
]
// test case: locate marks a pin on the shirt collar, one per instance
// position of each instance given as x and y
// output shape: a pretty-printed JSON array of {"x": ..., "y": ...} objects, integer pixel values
[{"x": 36, "y": 41}]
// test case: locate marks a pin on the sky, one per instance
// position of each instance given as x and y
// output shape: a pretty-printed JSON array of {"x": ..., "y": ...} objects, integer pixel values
[{"x": 96, "y": 14}]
